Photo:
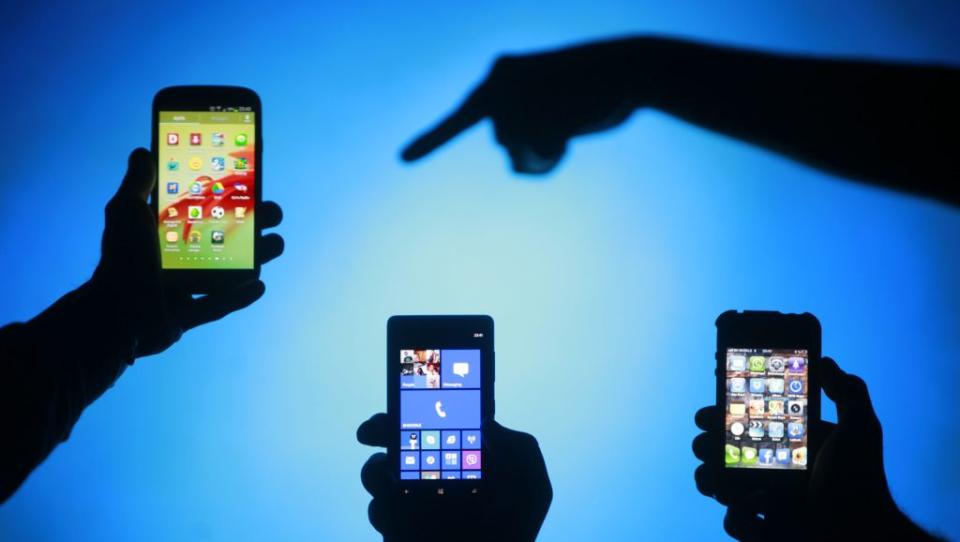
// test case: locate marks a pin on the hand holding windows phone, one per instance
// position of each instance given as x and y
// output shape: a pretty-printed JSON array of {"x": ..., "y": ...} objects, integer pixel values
[{"x": 516, "y": 498}]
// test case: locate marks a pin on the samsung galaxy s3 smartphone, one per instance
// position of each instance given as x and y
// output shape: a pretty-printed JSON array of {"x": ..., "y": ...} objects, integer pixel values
[
  {"x": 440, "y": 376},
  {"x": 768, "y": 388},
  {"x": 208, "y": 144}
]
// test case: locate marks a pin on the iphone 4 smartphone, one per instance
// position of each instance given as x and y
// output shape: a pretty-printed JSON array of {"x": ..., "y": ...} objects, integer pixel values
[
  {"x": 208, "y": 145},
  {"x": 768, "y": 388},
  {"x": 440, "y": 374}
]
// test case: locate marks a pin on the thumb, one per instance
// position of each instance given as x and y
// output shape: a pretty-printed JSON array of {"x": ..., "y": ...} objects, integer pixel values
[
  {"x": 141, "y": 176},
  {"x": 849, "y": 392}
]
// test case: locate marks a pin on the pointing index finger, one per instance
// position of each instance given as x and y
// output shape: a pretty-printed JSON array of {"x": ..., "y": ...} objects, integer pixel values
[{"x": 470, "y": 112}]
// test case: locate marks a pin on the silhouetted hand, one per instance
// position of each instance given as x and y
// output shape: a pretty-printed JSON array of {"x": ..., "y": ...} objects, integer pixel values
[
  {"x": 848, "y": 497},
  {"x": 515, "y": 504},
  {"x": 128, "y": 279},
  {"x": 538, "y": 102}
]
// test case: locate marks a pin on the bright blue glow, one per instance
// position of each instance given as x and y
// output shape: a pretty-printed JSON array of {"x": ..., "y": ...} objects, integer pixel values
[{"x": 604, "y": 279}]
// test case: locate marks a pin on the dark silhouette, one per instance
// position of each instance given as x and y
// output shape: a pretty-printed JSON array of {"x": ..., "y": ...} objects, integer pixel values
[
  {"x": 55, "y": 365},
  {"x": 848, "y": 497},
  {"x": 512, "y": 510},
  {"x": 881, "y": 123}
]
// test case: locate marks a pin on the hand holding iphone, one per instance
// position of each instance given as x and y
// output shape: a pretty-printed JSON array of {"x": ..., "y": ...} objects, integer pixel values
[
  {"x": 769, "y": 392},
  {"x": 208, "y": 145},
  {"x": 440, "y": 374}
]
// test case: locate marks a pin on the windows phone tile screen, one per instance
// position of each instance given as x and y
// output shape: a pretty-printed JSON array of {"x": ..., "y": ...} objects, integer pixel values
[
  {"x": 440, "y": 414},
  {"x": 766, "y": 408}
]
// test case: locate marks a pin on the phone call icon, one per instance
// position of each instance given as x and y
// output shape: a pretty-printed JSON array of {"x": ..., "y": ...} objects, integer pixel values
[{"x": 439, "y": 408}]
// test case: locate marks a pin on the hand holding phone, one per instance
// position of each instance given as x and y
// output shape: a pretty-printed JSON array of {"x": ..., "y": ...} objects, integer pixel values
[{"x": 516, "y": 498}]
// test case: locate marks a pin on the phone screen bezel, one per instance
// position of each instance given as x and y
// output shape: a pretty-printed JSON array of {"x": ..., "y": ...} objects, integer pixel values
[
  {"x": 201, "y": 98},
  {"x": 443, "y": 332},
  {"x": 775, "y": 330}
]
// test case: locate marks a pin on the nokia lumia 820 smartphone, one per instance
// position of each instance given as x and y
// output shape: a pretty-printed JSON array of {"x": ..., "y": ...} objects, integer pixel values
[
  {"x": 768, "y": 388},
  {"x": 208, "y": 145},
  {"x": 440, "y": 374}
]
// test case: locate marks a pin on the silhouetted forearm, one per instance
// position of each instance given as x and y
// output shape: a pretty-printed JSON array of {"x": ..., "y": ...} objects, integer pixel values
[
  {"x": 881, "y": 123},
  {"x": 51, "y": 368}
]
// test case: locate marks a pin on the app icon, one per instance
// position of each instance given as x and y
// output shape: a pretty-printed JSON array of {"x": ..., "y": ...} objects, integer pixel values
[
  {"x": 195, "y": 236},
  {"x": 454, "y": 475},
  {"x": 450, "y": 440},
  {"x": 217, "y": 188},
  {"x": 736, "y": 362},
  {"x": 430, "y": 460},
  {"x": 775, "y": 407},
  {"x": 240, "y": 163},
  {"x": 800, "y": 456},
  {"x": 172, "y": 212},
  {"x": 451, "y": 460},
  {"x": 216, "y": 139},
  {"x": 217, "y": 163},
  {"x": 194, "y": 138},
  {"x": 783, "y": 456},
  {"x": 756, "y": 407},
  {"x": 748, "y": 455},
  {"x": 795, "y": 408},
  {"x": 775, "y": 385},
  {"x": 731, "y": 454},
  {"x": 408, "y": 475},
  {"x": 471, "y": 440},
  {"x": 796, "y": 364},
  {"x": 172, "y": 236},
  {"x": 775, "y": 429},
  {"x": 195, "y": 163},
  {"x": 766, "y": 456},
  {"x": 240, "y": 212},
  {"x": 195, "y": 212},
  {"x": 736, "y": 428},
  {"x": 430, "y": 440},
  {"x": 217, "y": 212},
  {"x": 173, "y": 138},
  {"x": 756, "y": 429},
  {"x": 240, "y": 187},
  {"x": 173, "y": 165},
  {"x": 216, "y": 237},
  {"x": 795, "y": 429},
  {"x": 196, "y": 188},
  {"x": 775, "y": 364},
  {"x": 737, "y": 385},
  {"x": 438, "y": 407},
  {"x": 409, "y": 440},
  {"x": 432, "y": 475},
  {"x": 795, "y": 385},
  {"x": 471, "y": 459},
  {"x": 757, "y": 385},
  {"x": 240, "y": 140},
  {"x": 758, "y": 364},
  {"x": 738, "y": 409},
  {"x": 173, "y": 187},
  {"x": 409, "y": 460}
]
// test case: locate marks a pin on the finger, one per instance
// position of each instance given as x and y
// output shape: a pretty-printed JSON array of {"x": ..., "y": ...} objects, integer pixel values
[
  {"x": 470, "y": 112},
  {"x": 707, "y": 418},
  {"x": 375, "y": 431},
  {"x": 743, "y": 524},
  {"x": 705, "y": 477},
  {"x": 141, "y": 176},
  {"x": 705, "y": 446},
  {"x": 849, "y": 392},
  {"x": 269, "y": 214},
  {"x": 216, "y": 305},
  {"x": 376, "y": 476},
  {"x": 269, "y": 247}
]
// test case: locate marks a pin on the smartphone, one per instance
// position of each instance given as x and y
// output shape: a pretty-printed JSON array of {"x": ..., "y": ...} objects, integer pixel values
[
  {"x": 208, "y": 145},
  {"x": 769, "y": 390},
  {"x": 440, "y": 375}
]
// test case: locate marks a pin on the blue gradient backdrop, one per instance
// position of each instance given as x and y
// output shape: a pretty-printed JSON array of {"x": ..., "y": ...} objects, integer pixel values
[{"x": 604, "y": 278}]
